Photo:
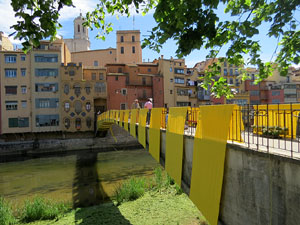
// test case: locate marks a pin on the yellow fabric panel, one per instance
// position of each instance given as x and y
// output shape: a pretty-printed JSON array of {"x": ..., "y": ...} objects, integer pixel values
[
  {"x": 142, "y": 126},
  {"x": 121, "y": 118},
  {"x": 236, "y": 125},
  {"x": 174, "y": 142},
  {"x": 176, "y": 119},
  {"x": 154, "y": 133},
  {"x": 126, "y": 117},
  {"x": 208, "y": 159},
  {"x": 133, "y": 122}
]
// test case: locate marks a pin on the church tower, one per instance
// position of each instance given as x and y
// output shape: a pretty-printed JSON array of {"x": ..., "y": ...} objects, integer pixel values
[{"x": 80, "y": 41}]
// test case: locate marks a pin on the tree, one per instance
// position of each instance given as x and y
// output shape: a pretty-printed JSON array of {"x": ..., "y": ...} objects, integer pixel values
[{"x": 194, "y": 24}]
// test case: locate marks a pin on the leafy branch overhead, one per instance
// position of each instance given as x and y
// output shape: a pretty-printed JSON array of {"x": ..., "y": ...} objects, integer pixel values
[{"x": 193, "y": 24}]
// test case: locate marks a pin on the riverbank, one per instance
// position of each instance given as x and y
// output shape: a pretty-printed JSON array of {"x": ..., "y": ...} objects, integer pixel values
[
  {"x": 155, "y": 207},
  {"x": 118, "y": 139}
]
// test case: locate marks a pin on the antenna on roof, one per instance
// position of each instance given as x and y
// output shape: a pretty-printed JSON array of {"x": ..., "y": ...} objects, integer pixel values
[{"x": 133, "y": 20}]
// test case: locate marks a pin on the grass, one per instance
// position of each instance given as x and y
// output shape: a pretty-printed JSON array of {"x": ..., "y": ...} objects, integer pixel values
[
  {"x": 41, "y": 209},
  {"x": 6, "y": 214}
]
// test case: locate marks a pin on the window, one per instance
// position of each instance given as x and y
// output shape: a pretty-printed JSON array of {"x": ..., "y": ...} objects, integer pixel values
[
  {"x": 122, "y": 39},
  {"x": 67, "y": 106},
  {"x": 24, "y": 104},
  {"x": 88, "y": 106},
  {"x": 78, "y": 123},
  {"x": 77, "y": 89},
  {"x": 183, "y": 104},
  {"x": 144, "y": 94},
  {"x": 231, "y": 72},
  {"x": 11, "y": 105},
  {"x": 88, "y": 90},
  {"x": 275, "y": 101},
  {"x": 23, "y": 72},
  {"x": 46, "y": 72},
  {"x": 124, "y": 91},
  {"x": 179, "y": 80},
  {"x": 225, "y": 72},
  {"x": 101, "y": 76},
  {"x": 182, "y": 92},
  {"x": 23, "y": 89},
  {"x": 225, "y": 64},
  {"x": 288, "y": 79},
  {"x": 144, "y": 80},
  {"x": 179, "y": 71},
  {"x": 171, "y": 91},
  {"x": 120, "y": 70},
  {"x": 46, "y": 103},
  {"x": 133, "y": 38},
  {"x": 46, "y": 58},
  {"x": 46, "y": 87},
  {"x": 88, "y": 122},
  {"x": 122, "y": 50},
  {"x": 78, "y": 28},
  {"x": 275, "y": 93},
  {"x": 11, "y": 90},
  {"x": 18, "y": 122},
  {"x": 23, "y": 57},
  {"x": 78, "y": 107},
  {"x": 116, "y": 78},
  {"x": 149, "y": 70},
  {"x": 95, "y": 63},
  {"x": 71, "y": 72},
  {"x": 133, "y": 49},
  {"x": 67, "y": 123},
  {"x": 123, "y": 106},
  {"x": 47, "y": 120},
  {"x": 171, "y": 80},
  {"x": 230, "y": 81},
  {"x": 10, "y": 58},
  {"x": 10, "y": 72},
  {"x": 110, "y": 52},
  {"x": 93, "y": 76},
  {"x": 171, "y": 69},
  {"x": 236, "y": 72},
  {"x": 252, "y": 76},
  {"x": 254, "y": 93}
]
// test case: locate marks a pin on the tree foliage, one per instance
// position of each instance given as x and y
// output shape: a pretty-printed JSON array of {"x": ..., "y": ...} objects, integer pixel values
[{"x": 193, "y": 24}]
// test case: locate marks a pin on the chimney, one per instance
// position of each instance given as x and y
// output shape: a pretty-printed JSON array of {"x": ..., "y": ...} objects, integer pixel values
[{"x": 162, "y": 56}]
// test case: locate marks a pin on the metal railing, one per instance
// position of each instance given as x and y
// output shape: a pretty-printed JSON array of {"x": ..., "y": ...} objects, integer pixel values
[{"x": 267, "y": 128}]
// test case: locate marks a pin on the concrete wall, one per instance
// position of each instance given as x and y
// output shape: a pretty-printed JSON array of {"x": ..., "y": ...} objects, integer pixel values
[{"x": 258, "y": 188}]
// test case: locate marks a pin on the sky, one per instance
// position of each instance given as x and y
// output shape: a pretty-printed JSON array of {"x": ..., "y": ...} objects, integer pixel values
[{"x": 142, "y": 23}]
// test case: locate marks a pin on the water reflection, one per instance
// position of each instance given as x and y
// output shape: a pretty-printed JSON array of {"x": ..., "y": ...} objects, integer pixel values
[{"x": 87, "y": 189}]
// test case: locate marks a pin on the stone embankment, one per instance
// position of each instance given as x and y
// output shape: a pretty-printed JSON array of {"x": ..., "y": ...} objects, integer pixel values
[{"x": 118, "y": 139}]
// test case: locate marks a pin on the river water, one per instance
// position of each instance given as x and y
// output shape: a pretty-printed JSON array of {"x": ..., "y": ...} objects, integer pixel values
[{"x": 84, "y": 179}]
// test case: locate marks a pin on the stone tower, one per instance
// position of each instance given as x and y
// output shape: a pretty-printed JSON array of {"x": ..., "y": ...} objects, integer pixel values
[
  {"x": 129, "y": 46},
  {"x": 80, "y": 41}
]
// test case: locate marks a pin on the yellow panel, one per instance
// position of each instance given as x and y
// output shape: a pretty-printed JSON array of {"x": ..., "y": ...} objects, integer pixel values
[
  {"x": 121, "y": 118},
  {"x": 174, "y": 142},
  {"x": 126, "y": 117},
  {"x": 133, "y": 119},
  {"x": 236, "y": 125},
  {"x": 176, "y": 119},
  {"x": 142, "y": 126},
  {"x": 208, "y": 159},
  {"x": 154, "y": 133}
]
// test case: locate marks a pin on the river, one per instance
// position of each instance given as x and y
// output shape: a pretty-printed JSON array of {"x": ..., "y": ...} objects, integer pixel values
[{"x": 86, "y": 178}]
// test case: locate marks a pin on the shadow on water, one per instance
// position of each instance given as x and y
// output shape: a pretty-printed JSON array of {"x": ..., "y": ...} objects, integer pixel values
[{"x": 88, "y": 191}]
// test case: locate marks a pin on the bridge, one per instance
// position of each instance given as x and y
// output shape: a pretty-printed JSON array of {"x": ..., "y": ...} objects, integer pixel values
[{"x": 193, "y": 146}]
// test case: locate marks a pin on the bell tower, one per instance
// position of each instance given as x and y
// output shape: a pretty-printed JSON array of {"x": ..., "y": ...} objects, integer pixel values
[{"x": 80, "y": 32}]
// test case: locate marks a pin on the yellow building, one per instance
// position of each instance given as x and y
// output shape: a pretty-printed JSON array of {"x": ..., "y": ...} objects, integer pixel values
[
  {"x": 5, "y": 44},
  {"x": 129, "y": 46},
  {"x": 15, "y": 92},
  {"x": 77, "y": 105},
  {"x": 180, "y": 83},
  {"x": 45, "y": 82}
]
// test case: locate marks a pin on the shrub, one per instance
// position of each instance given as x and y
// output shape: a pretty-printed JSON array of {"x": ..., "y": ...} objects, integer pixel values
[
  {"x": 41, "y": 209},
  {"x": 6, "y": 215},
  {"x": 130, "y": 190}
]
